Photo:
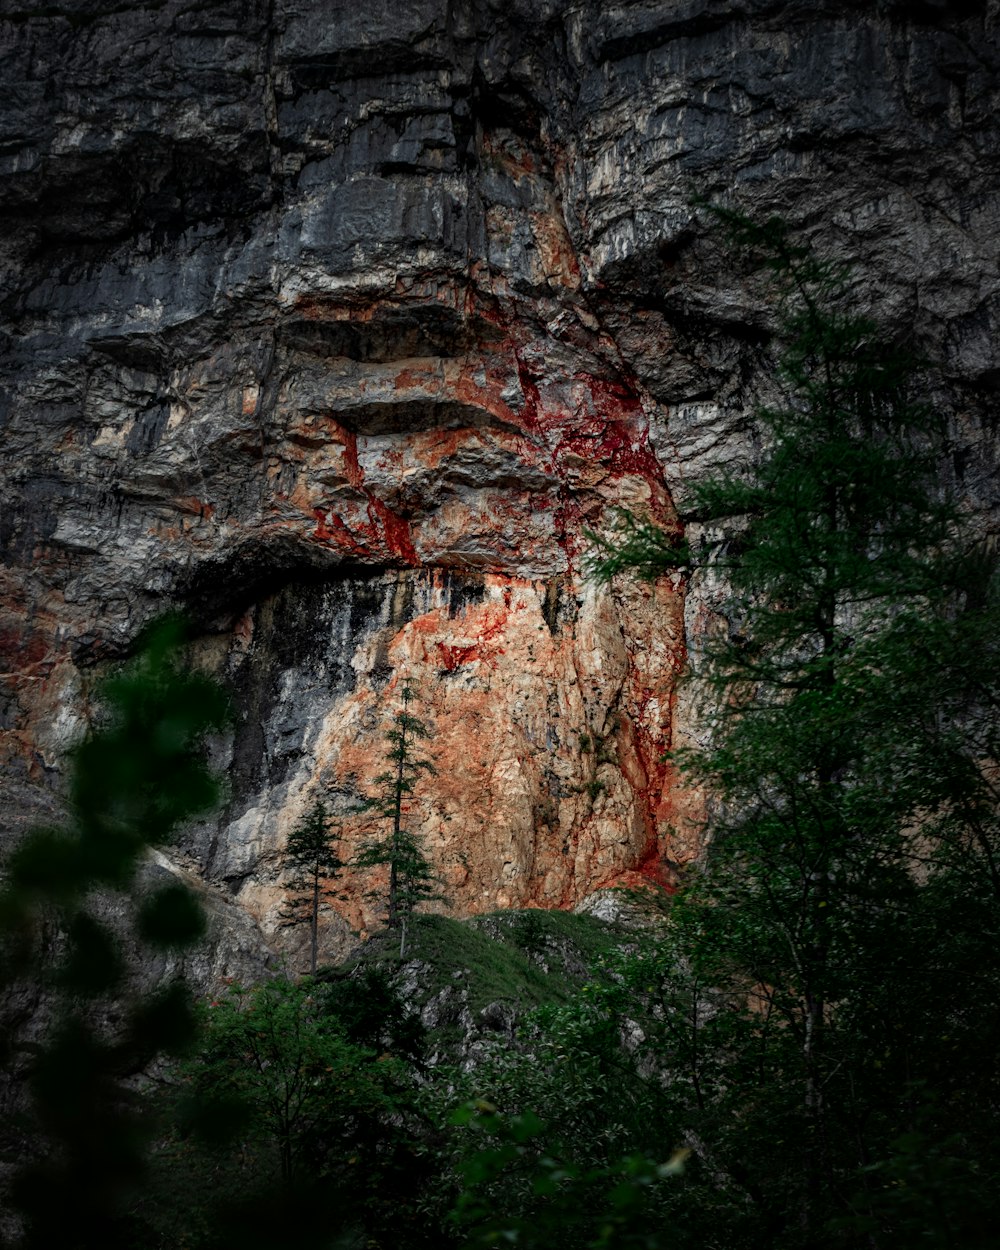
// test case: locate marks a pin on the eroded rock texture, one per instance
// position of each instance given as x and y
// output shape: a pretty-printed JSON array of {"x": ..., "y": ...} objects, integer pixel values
[{"x": 340, "y": 325}]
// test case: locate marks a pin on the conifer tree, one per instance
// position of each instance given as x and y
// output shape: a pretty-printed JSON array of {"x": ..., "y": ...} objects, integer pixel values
[
  {"x": 852, "y": 704},
  {"x": 313, "y": 865},
  {"x": 411, "y": 879}
]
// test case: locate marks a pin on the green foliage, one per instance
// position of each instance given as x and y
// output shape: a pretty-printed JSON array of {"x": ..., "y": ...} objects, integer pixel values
[
  {"x": 372, "y": 1015},
  {"x": 171, "y": 916},
  {"x": 133, "y": 781},
  {"x": 567, "y": 1061},
  {"x": 313, "y": 1097},
  {"x": 411, "y": 878},
  {"x": 309, "y": 1090},
  {"x": 596, "y": 1133},
  {"x": 298, "y": 1106},
  {"x": 313, "y": 867},
  {"x": 810, "y": 987},
  {"x": 518, "y": 1190},
  {"x": 635, "y": 546}
]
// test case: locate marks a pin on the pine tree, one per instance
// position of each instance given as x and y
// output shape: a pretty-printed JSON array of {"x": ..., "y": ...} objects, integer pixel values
[
  {"x": 411, "y": 879},
  {"x": 852, "y": 705},
  {"x": 314, "y": 866}
]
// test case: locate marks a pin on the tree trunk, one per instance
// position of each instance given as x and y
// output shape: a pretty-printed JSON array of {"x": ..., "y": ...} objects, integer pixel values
[
  {"x": 315, "y": 921},
  {"x": 397, "y": 824},
  {"x": 816, "y": 954}
]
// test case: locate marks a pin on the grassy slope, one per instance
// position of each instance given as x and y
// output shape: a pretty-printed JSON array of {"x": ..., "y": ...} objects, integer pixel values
[{"x": 504, "y": 964}]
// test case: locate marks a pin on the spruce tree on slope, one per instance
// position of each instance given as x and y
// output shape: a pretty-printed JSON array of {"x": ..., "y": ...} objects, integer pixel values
[
  {"x": 314, "y": 866},
  {"x": 411, "y": 879}
]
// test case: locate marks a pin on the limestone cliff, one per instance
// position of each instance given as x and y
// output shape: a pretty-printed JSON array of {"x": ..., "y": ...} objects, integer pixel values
[{"x": 339, "y": 325}]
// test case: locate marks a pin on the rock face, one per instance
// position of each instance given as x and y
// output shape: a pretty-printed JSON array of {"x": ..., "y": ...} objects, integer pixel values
[{"x": 339, "y": 326}]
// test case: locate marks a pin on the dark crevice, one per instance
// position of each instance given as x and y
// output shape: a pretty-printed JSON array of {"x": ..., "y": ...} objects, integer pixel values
[
  {"x": 411, "y": 416},
  {"x": 507, "y": 107},
  {"x": 354, "y": 64},
  {"x": 397, "y": 334}
]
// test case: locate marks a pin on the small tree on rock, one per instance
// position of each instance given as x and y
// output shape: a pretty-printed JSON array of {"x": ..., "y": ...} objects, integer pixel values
[
  {"x": 411, "y": 880},
  {"x": 313, "y": 865}
]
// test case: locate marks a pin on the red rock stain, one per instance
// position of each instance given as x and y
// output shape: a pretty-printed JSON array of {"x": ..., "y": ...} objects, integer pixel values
[{"x": 385, "y": 528}]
